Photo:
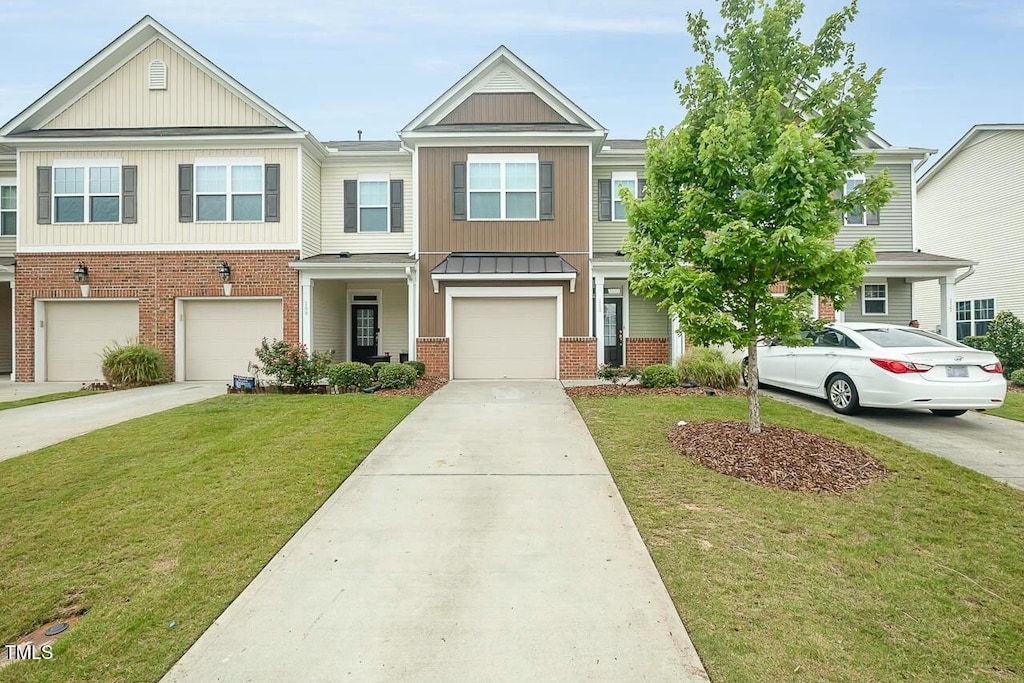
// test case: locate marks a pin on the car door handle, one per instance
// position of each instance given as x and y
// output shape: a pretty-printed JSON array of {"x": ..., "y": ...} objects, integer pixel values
[
  {"x": 831, "y": 353},
  {"x": 790, "y": 355}
]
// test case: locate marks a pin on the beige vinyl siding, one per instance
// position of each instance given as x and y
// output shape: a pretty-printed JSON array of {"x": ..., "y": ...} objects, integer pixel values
[
  {"x": 335, "y": 171},
  {"x": 328, "y": 317},
  {"x": 311, "y": 205},
  {"x": 394, "y": 315},
  {"x": 974, "y": 209},
  {"x": 6, "y": 302},
  {"x": 645, "y": 319},
  {"x": 899, "y": 305},
  {"x": 609, "y": 235},
  {"x": 192, "y": 98},
  {"x": 158, "y": 203},
  {"x": 895, "y": 231}
]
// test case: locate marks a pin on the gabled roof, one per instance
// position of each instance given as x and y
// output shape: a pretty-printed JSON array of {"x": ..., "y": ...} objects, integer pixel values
[
  {"x": 966, "y": 141},
  {"x": 117, "y": 53},
  {"x": 503, "y": 72}
]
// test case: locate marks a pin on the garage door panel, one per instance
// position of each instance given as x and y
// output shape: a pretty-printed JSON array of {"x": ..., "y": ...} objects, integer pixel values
[
  {"x": 78, "y": 331},
  {"x": 497, "y": 338},
  {"x": 221, "y": 335}
]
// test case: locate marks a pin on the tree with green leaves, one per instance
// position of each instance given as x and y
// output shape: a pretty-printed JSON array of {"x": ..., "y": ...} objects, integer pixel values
[{"x": 746, "y": 193}]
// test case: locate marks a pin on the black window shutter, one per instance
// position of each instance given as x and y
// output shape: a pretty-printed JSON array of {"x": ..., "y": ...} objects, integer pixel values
[
  {"x": 351, "y": 200},
  {"x": 272, "y": 193},
  {"x": 872, "y": 218},
  {"x": 129, "y": 194},
  {"x": 185, "y": 193},
  {"x": 641, "y": 187},
  {"x": 397, "y": 205},
  {"x": 459, "y": 191},
  {"x": 604, "y": 199},
  {"x": 547, "y": 190},
  {"x": 44, "y": 193}
]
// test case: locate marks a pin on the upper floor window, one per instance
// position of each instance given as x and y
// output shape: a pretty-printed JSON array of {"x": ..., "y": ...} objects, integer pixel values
[
  {"x": 87, "y": 192},
  {"x": 621, "y": 179},
  {"x": 8, "y": 209},
  {"x": 876, "y": 299},
  {"x": 855, "y": 216},
  {"x": 973, "y": 317},
  {"x": 503, "y": 187},
  {"x": 229, "y": 190},
  {"x": 373, "y": 204}
]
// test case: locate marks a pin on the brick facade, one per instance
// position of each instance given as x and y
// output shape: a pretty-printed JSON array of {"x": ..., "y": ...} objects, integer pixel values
[
  {"x": 644, "y": 351},
  {"x": 577, "y": 357},
  {"x": 826, "y": 309},
  {"x": 156, "y": 279},
  {"x": 433, "y": 352}
]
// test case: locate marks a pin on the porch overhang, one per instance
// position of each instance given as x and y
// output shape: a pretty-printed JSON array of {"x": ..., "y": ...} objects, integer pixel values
[
  {"x": 7, "y": 269},
  {"x": 502, "y": 267},
  {"x": 347, "y": 266},
  {"x": 610, "y": 265},
  {"x": 915, "y": 266}
]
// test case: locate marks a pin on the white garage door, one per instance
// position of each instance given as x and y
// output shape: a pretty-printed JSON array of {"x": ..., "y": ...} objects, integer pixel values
[
  {"x": 221, "y": 335},
  {"x": 78, "y": 331},
  {"x": 504, "y": 338}
]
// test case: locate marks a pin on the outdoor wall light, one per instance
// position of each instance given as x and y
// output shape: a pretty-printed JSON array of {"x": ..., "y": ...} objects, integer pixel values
[
  {"x": 225, "y": 276},
  {"x": 81, "y": 274}
]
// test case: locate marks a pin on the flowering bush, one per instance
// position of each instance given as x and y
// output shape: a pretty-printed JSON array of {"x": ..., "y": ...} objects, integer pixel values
[{"x": 291, "y": 364}]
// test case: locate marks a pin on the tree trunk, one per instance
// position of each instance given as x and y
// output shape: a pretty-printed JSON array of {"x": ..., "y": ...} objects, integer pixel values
[{"x": 753, "y": 404}]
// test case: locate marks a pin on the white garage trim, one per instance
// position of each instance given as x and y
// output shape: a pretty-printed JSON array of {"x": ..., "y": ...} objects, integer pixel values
[
  {"x": 40, "y": 328},
  {"x": 451, "y": 293},
  {"x": 179, "y": 327}
]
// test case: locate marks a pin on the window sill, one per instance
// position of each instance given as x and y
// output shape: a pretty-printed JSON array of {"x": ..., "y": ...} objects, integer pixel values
[
  {"x": 504, "y": 220},
  {"x": 83, "y": 223},
  {"x": 875, "y": 315}
]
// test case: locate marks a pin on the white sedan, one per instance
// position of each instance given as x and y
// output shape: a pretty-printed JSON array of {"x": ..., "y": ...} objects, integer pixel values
[{"x": 854, "y": 365}]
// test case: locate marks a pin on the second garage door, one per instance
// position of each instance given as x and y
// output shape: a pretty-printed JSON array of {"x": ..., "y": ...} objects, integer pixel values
[
  {"x": 78, "y": 331},
  {"x": 504, "y": 338},
  {"x": 221, "y": 335}
]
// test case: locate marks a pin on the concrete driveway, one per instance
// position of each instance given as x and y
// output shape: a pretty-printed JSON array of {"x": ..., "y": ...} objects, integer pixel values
[
  {"x": 482, "y": 540},
  {"x": 16, "y": 391},
  {"x": 34, "y": 427},
  {"x": 988, "y": 444}
]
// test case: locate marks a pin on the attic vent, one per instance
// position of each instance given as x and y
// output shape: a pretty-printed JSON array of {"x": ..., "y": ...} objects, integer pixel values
[
  {"x": 504, "y": 80},
  {"x": 157, "y": 75}
]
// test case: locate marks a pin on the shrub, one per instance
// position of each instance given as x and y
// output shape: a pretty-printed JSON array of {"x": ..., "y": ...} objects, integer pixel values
[
  {"x": 1006, "y": 340},
  {"x": 1017, "y": 377},
  {"x": 350, "y": 375},
  {"x": 616, "y": 374},
  {"x": 292, "y": 364},
  {"x": 375, "y": 369},
  {"x": 977, "y": 341},
  {"x": 396, "y": 376},
  {"x": 659, "y": 376},
  {"x": 709, "y": 368},
  {"x": 421, "y": 367},
  {"x": 133, "y": 365}
]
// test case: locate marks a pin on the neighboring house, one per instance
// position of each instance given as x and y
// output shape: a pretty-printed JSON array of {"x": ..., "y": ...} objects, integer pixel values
[
  {"x": 971, "y": 202},
  {"x": 158, "y": 198},
  {"x": 8, "y": 236}
]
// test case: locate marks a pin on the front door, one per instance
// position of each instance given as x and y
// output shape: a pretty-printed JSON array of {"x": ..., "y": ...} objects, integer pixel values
[
  {"x": 364, "y": 332},
  {"x": 612, "y": 330}
]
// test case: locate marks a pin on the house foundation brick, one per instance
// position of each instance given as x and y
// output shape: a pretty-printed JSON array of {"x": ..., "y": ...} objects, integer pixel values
[
  {"x": 156, "y": 280},
  {"x": 577, "y": 357},
  {"x": 644, "y": 351},
  {"x": 433, "y": 352}
]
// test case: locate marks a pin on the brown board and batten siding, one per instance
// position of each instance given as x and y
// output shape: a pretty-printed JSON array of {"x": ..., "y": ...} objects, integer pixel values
[
  {"x": 895, "y": 231},
  {"x": 502, "y": 108},
  {"x": 575, "y": 306}
]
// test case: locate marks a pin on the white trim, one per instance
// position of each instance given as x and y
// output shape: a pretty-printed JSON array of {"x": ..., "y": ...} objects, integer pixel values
[
  {"x": 502, "y": 293},
  {"x": 12, "y": 182},
  {"x": 622, "y": 176},
  {"x": 179, "y": 324},
  {"x": 373, "y": 178},
  {"x": 350, "y": 301},
  {"x": 503, "y": 277},
  {"x": 415, "y": 227},
  {"x": 864, "y": 298},
  {"x": 306, "y": 310},
  {"x": 411, "y": 276},
  {"x": 39, "y": 327},
  {"x": 815, "y": 307},
  {"x": 597, "y": 304},
  {"x": 229, "y": 164},
  {"x": 591, "y": 327},
  {"x": 87, "y": 166},
  {"x": 144, "y": 248},
  {"x": 301, "y": 237},
  {"x": 14, "y": 336}
]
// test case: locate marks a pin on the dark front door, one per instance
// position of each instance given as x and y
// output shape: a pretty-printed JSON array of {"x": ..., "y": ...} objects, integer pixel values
[
  {"x": 364, "y": 332},
  {"x": 612, "y": 330}
]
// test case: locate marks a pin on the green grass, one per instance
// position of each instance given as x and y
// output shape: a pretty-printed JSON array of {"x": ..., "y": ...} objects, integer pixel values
[
  {"x": 918, "y": 577},
  {"x": 46, "y": 398},
  {"x": 1012, "y": 408},
  {"x": 166, "y": 519}
]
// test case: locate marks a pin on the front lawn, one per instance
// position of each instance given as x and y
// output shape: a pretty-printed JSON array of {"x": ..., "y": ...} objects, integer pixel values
[
  {"x": 165, "y": 519},
  {"x": 917, "y": 577},
  {"x": 47, "y": 398},
  {"x": 1012, "y": 408}
]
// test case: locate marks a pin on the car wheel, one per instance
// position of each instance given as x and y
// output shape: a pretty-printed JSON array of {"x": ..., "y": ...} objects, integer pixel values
[
  {"x": 949, "y": 413},
  {"x": 842, "y": 395},
  {"x": 746, "y": 363}
]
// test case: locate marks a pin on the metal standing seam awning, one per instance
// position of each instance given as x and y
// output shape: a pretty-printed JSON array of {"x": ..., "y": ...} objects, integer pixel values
[{"x": 503, "y": 266}]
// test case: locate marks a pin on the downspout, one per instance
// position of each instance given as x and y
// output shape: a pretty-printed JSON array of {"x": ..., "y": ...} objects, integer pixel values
[{"x": 961, "y": 278}]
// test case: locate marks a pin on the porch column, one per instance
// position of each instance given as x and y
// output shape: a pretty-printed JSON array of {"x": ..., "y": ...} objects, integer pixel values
[
  {"x": 947, "y": 306},
  {"x": 305, "y": 311},
  {"x": 599, "y": 317},
  {"x": 411, "y": 289},
  {"x": 677, "y": 342}
]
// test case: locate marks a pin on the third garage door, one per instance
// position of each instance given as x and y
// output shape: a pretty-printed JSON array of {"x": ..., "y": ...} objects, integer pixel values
[
  {"x": 221, "y": 335},
  {"x": 504, "y": 338}
]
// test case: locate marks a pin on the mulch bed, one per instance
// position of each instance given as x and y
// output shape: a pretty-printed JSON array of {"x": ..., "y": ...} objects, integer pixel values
[
  {"x": 778, "y": 457},
  {"x": 425, "y": 386},
  {"x": 637, "y": 390}
]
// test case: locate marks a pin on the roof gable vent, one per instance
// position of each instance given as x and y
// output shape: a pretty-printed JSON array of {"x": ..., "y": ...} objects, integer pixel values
[
  {"x": 503, "y": 80},
  {"x": 157, "y": 75}
]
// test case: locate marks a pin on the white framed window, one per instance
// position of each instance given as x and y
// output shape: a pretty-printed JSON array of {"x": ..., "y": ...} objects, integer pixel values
[
  {"x": 622, "y": 179},
  {"x": 974, "y": 316},
  {"x": 503, "y": 187},
  {"x": 8, "y": 208},
  {"x": 374, "y": 203},
  {"x": 229, "y": 190},
  {"x": 86, "y": 191},
  {"x": 875, "y": 298},
  {"x": 858, "y": 216}
]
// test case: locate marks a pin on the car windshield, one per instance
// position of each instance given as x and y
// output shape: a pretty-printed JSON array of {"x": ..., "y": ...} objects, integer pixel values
[{"x": 895, "y": 337}]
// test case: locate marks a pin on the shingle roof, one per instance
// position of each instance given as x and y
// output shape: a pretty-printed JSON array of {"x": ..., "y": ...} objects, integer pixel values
[
  {"x": 487, "y": 263},
  {"x": 504, "y": 128},
  {"x": 917, "y": 256},
  {"x": 145, "y": 132},
  {"x": 364, "y": 145}
]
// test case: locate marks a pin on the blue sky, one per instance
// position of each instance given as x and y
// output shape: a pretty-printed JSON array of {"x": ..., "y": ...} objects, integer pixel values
[{"x": 338, "y": 66}]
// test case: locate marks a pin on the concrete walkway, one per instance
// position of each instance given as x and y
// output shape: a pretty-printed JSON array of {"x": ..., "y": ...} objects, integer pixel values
[
  {"x": 482, "y": 540},
  {"x": 988, "y": 444},
  {"x": 33, "y": 427}
]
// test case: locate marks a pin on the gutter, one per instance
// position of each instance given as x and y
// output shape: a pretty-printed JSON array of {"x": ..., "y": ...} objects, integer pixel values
[{"x": 961, "y": 278}]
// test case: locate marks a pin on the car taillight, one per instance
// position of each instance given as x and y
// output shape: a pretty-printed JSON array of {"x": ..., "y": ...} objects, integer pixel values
[
  {"x": 900, "y": 367},
  {"x": 994, "y": 368}
]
